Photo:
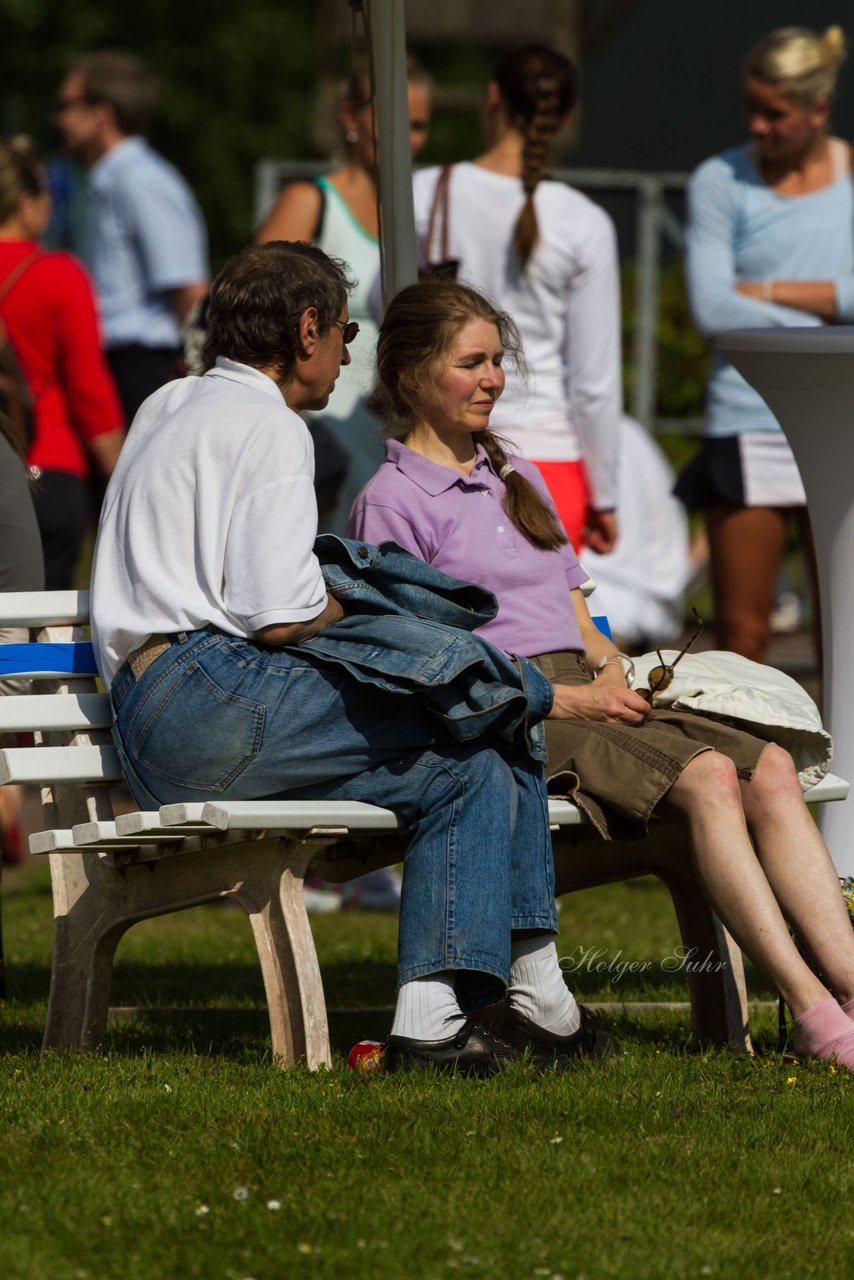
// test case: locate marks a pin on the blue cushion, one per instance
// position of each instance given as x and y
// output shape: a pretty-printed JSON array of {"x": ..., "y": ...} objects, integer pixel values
[{"x": 68, "y": 659}]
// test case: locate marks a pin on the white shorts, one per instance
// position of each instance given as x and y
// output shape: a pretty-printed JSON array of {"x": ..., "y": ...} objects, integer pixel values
[{"x": 769, "y": 472}]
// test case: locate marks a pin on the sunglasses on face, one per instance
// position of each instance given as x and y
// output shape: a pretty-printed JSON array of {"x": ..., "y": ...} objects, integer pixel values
[
  {"x": 349, "y": 330},
  {"x": 660, "y": 678}
]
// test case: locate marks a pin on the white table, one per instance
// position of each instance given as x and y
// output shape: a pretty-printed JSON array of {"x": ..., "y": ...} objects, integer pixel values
[{"x": 807, "y": 378}]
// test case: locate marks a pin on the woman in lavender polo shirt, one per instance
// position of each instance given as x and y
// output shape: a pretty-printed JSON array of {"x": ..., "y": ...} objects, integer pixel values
[{"x": 448, "y": 493}]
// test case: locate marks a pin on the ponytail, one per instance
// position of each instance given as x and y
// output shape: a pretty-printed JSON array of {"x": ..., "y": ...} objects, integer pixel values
[{"x": 522, "y": 503}]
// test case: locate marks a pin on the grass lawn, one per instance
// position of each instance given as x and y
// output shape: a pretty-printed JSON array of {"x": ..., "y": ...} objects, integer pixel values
[{"x": 181, "y": 1151}]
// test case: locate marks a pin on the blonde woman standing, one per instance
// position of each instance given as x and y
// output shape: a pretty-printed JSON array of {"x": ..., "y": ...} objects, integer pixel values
[
  {"x": 770, "y": 243},
  {"x": 546, "y": 255}
]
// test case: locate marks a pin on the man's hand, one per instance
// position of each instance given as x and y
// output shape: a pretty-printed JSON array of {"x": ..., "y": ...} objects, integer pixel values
[
  {"x": 605, "y": 700},
  {"x": 293, "y": 632},
  {"x": 601, "y": 531}
]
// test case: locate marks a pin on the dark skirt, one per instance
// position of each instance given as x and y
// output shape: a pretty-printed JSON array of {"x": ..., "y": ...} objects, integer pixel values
[
  {"x": 712, "y": 476},
  {"x": 753, "y": 469}
]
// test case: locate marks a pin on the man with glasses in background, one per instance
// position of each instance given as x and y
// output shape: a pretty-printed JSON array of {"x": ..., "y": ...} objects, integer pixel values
[{"x": 146, "y": 245}]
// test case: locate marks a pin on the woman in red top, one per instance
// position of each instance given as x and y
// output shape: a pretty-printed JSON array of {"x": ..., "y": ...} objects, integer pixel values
[{"x": 48, "y": 309}]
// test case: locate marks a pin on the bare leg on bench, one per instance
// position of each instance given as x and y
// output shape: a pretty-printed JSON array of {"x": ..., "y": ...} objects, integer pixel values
[
  {"x": 793, "y": 855},
  {"x": 708, "y": 795}
]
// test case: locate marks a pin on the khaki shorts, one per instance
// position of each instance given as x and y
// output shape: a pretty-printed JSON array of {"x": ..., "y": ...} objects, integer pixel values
[{"x": 616, "y": 773}]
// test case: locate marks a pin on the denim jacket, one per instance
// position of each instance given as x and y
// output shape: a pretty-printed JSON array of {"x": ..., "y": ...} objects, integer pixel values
[{"x": 408, "y": 627}]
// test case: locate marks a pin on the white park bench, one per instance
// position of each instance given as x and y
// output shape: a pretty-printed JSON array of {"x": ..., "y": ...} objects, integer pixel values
[{"x": 109, "y": 872}]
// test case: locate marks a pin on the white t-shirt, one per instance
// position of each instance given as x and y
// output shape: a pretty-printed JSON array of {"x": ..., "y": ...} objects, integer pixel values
[
  {"x": 566, "y": 306},
  {"x": 209, "y": 517}
]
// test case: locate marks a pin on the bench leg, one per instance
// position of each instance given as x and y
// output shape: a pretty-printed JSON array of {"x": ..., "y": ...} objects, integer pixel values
[
  {"x": 713, "y": 961},
  {"x": 95, "y": 903},
  {"x": 86, "y": 932},
  {"x": 273, "y": 900},
  {"x": 719, "y": 1015}
]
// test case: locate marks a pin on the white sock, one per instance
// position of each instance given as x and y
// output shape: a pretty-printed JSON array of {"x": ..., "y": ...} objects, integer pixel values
[
  {"x": 427, "y": 1008},
  {"x": 537, "y": 989}
]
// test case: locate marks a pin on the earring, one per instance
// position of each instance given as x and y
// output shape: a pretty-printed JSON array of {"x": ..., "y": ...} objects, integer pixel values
[{"x": 352, "y": 135}]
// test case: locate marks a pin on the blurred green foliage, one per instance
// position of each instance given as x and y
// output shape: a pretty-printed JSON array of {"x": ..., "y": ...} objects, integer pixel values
[
  {"x": 684, "y": 355},
  {"x": 236, "y": 85}
]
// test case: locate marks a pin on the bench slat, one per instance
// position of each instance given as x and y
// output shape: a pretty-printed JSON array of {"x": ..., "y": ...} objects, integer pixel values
[
  {"x": 22, "y": 713},
  {"x": 39, "y": 765},
  {"x": 61, "y": 840},
  {"x": 830, "y": 788},
  {"x": 142, "y": 821},
  {"x": 55, "y": 658},
  {"x": 178, "y": 815},
  {"x": 563, "y": 813},
  {"x": 44, "y": 608},
  {"x": 50, "y": 841},
  {"x": 86, "y": 833},
  {"x": 285, "y": 815}
]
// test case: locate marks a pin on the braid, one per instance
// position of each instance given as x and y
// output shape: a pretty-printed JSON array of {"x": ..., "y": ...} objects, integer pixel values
[
  {"x": 540, "y": 128},
  {"x": 523, "y": 504}
]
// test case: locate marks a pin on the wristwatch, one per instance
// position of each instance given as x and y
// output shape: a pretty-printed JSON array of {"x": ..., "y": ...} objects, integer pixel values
[{"x": 624, "y": 661}]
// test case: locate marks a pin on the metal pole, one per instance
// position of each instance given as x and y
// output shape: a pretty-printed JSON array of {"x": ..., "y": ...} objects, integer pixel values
[
  {"x": 646, "y": 301},
  {"x": 387, "y": 37}
]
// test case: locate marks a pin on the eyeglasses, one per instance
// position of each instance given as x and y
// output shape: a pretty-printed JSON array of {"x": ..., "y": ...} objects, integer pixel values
[
  {"x": 349, "y": 330},
  {"x": 660, "y": 678}
]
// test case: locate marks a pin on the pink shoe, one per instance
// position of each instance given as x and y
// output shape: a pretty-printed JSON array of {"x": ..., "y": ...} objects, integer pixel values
[{"x": 824, "y": 1031}]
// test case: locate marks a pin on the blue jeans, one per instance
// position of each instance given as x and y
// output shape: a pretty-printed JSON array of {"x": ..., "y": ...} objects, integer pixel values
[{"x": 217, "y": 716}]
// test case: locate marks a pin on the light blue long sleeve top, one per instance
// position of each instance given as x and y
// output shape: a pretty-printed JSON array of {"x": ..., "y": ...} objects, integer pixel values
[{"x": 740, "y": 229}]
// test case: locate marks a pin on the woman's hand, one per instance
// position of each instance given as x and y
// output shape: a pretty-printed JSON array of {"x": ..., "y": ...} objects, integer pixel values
[{"x": 607, "y": 700}]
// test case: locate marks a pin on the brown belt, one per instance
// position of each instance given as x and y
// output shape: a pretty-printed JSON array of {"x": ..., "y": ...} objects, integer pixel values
[{"x": 141, "y": 659}]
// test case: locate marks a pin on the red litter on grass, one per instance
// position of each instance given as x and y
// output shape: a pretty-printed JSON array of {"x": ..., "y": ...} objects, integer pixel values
[{"x": 366, "y": 1056}]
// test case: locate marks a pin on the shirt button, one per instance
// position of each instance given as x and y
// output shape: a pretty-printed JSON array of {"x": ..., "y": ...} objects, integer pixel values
[
  {"x": 500, "y": 528},
  {"x": 363, "y": 552}
]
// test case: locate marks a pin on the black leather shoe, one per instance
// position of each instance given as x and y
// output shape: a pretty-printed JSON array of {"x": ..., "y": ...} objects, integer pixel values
[
  {"x": 561, "y": 1051},
  {"x": 474, "y": 1050}
]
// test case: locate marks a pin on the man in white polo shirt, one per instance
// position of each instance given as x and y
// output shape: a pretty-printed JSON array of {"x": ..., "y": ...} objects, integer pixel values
[{"x": 205, "y": 583}]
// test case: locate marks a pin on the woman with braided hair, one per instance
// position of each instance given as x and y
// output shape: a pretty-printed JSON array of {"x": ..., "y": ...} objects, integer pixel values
[
  {"x": 451, "y": 494},
  {"x": 546, "y": 255}
]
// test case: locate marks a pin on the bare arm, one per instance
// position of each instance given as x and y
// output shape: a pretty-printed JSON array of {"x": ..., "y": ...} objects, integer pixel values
[
  {"x": 105, "y": 450},
  {"x": 184, "y": 298},
  {"x": 293, "y": 632},
  {"x": 294, "y": 216},
  {"x": 818, "y": 297}
]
